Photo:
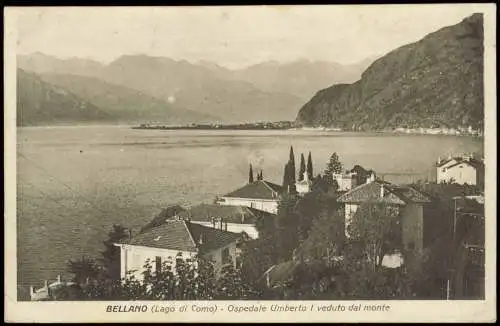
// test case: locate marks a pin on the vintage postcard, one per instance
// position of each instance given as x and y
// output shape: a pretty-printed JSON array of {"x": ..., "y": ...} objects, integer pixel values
[{"x": 255, "y": 163}]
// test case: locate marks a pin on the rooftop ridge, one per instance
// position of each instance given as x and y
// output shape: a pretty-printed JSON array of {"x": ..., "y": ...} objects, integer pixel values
[
  {"x": 190, "y": 235},
  {"x": 358, "y": 187}
]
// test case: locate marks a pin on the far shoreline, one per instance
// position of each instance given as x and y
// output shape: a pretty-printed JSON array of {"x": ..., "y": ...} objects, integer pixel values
[
  {"x": 326, "y": 130},
  {"x": 285, "y": 127}
]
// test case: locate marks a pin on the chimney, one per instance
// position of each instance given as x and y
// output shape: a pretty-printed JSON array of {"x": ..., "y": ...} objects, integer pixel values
[
  {"x": 32, "y": 290},
  {"x": 439, "y": 160},
  {"x": 59, "y": 278},
  {"x": 46, "y": 284},
  {"x": 381, "y": 191}
]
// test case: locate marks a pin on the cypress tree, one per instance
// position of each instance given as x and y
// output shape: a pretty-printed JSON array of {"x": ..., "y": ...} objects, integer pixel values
[
  {"x": 260, "y": 176},
  {"x": 302, "y": 168},
  {"x": 292, "y": 166},
  {"x": 309, "y": 167},
  {"x": 286, "y": 176},
  {"x": 250, "y": 174}
]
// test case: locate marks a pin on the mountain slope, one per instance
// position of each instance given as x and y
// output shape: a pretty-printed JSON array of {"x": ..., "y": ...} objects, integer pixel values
[
  {"x": 127, "y": 105},
  {"x": 269, "y": 91},
  {"x": 39, "y": 102},
  {"x": 435, "y": 82},
  {"x": 302, "y": 77},
  {"x": 200, "y": 89}
]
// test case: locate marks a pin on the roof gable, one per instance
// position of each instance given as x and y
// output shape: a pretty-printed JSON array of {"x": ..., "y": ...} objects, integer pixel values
[
  {"x": 230, "y": 214},
  {"x": 392, "y": 194},
  {"x": 447, "y": 162},
  {"x": 257, "y": 190},
  {"x": 209, "y": 239},
  {"x": 472, "y": 164},
  {"x": 184, "y": 236},
  {"x": 459, "y": 160},
  {"x": 173, "y": 234}
]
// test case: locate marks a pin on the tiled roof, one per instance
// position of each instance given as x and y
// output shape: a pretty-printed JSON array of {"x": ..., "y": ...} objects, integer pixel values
[
  {"x": 459, "y": 160},
  {"x": 392, "y": 194},
  {"x": 184, "y": 236},
  {"x": 230, "y": 214},
  {"x": 409, "y": 195},
  {"x": 212, "y": 238},
  {"x": 257, "y": 190},
  {"x": 474, "y": 163}
]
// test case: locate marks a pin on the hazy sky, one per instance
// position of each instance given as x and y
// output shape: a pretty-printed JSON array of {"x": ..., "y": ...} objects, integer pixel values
[{"x": 232, "y": 36}]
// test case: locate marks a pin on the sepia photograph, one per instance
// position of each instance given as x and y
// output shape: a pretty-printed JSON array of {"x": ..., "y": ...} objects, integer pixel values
[{"x": 294, "y": 155}]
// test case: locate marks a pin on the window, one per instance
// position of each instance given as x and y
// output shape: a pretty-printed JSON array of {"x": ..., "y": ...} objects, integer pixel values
[{"x": 158, "y": 264}]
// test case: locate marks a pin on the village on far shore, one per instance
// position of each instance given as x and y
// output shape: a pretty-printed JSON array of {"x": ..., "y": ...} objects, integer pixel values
[
  {"x": 217, "y": 231},
  {"x": 292, "y": 125}
]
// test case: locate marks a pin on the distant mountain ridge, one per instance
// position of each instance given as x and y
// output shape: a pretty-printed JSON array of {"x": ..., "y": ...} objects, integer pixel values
[
  {"x": 435, "y": 82},
  {"x": 229, "y": 96},
  {"x": 126, "y": 104}
]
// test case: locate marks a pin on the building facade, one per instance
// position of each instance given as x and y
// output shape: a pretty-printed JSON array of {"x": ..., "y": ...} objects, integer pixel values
[
  {"x": 177, "y": 239},
  {"x": 460, "y": 170},
  {"x": 304, "y": 186},
  {"x": 345, "y": 181},
  {"x": 261, "y": 195},
  {"x": 406, "y": 203}
]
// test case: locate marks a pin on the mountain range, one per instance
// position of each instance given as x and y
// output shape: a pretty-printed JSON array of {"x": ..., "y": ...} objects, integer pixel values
[
  {"x": 146, "y": 89},
  {"x": 39, "y": 102},
  {"x": 433, "y": 83}
]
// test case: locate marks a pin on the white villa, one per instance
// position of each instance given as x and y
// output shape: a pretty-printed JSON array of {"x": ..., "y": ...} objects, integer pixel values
[
  {"x": 260, "y": 194},
  {"x": 174, "y": 237},
  {"x": 461, "y": 170}
]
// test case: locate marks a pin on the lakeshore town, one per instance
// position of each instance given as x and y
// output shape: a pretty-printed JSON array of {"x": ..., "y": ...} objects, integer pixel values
[
  {"x": 291, "y": 125},
  {"x": 342, "y": 233}
]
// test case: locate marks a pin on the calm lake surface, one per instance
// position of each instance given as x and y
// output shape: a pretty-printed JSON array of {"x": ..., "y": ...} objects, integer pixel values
[{"x": 73, "y": 183}]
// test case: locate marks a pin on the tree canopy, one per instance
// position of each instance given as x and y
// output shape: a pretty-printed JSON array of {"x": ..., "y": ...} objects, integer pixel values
[{"x": 334, "y": 165}]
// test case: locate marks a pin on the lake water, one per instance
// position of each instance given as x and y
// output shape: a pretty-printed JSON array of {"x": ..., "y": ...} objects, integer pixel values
[{"x": 73, "y": 183}]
